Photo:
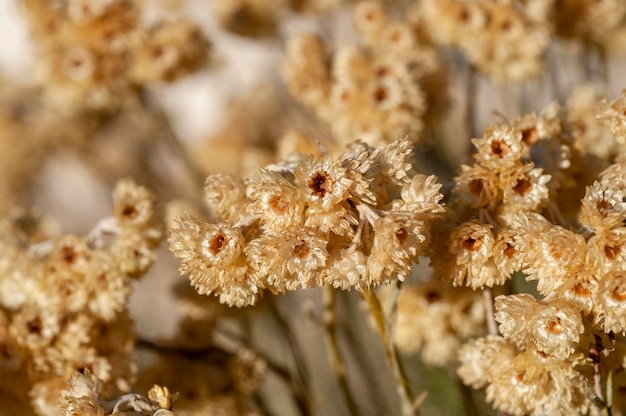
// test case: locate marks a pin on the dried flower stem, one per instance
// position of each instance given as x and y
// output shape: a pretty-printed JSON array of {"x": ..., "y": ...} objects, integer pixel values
[
  {"x": 174, "y": 142},
  {"x": 408, "y": 403},
  {"x": 332, "y": 347},
  {"x": 281, "y": 371},
  {"x": 595, "y": 353},
  {"x": 470, "y": 101},
  {"x": 300, "y": 362},
  {"x": 492, "y": 326}
]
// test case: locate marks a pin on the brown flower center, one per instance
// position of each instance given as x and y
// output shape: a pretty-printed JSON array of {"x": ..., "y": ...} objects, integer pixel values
[
  {"x": 522, "y": 187},
  {"x": 619, "y": 294},
  {"x": 320, "y": 184},
  {"x": 530, "y": 136},
  {"x": 68, "y": 254},
  {"x": 476, "y": 186},
  {"x": 471, "y": 244},
  {"x": 301, "y": 250},
  {"x": 402, "y": 235},
  {"x": 218, "y": 243},
  {"x": 35, "y": 325},
  {"x": 509, "y": 251},
  {"x": 611, "y": 252},
  {"x": 499, "y": 148},
  {"x": 278, "y": 204},
  {"x": 129, "y": 211}
]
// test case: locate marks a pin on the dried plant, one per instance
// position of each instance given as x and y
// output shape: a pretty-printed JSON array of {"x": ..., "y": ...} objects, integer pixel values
[{"x": 339, "y": 241}]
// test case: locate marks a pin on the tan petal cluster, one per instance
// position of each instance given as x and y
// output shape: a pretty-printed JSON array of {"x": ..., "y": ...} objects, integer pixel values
[
  {"x": 320, "y": 221},
  {"x": 96, "y": 53},
  {"x": 66, "y": 298},
  {"x": 381, "y": 91}
]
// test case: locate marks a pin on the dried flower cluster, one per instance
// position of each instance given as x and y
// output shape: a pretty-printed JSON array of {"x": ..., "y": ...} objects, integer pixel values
[
  {"x": 508, "y": 40},
  {"x": 524, "y": 294},
  {"x": 64, "y": 298},
  {"x": 382, "y": 90},
  {"x": 435, "y": 318},
  {"x": 504, "y": 39},
  {"x": 96, "y": 53},
  {"x": 82, "y": 398},
  {"x": 316, "y": 221},
  {"x": 262, "y": 17},
  {"x": 544, "y": 361}
]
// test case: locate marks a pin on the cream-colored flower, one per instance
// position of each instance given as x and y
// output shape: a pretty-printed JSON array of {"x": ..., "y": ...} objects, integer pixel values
[
  {"x": 422, "y": 195},
  {"x": 481, "y": 358},
  {"x": 323, "y": 182},
  {"x": 606, "y": 251},
  {"x": 398, "y": 239},
  {"x": 500, "y": 148},
  {"x": 477, "y": 187},
  {"x": 581, "y": 288},
  {"x": 530, "y": 383},
  {"x": 347, "y": 268},
  {"x": 610, "y": 312},
  {"x": 212, "y": 256},
  {"x": 288, "y": 259},
  {"x": 524, "y": 188},
  {"x": 552, "y": 327},
  {"x": 551, "y": 253},
  {"x": 471, "y": 247},
  {"x": 603, "y": 207},
  {"x": 226, "y": 194},
  {"x": 275, "y": 200}
]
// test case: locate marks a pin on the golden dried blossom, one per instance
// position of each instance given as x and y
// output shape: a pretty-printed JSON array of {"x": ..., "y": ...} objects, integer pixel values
[
  {"x": 606, "y": 251},
  {"x": 505, "y": 40},
  {"x": 376, "y": 92},
  {"x": 477, "y": 187},
  {"x": 97, "y": 54},
  {"x": 324, "y": 182},
  {"x": 171, "y": 51},
  {"x": 530, "y": 383},
  {"x": 422, "y": 195},
  {"x": 479, "y": 358},
  {"x": 581, "y": 288},
  {"x": 524, "y": 188},
  {"x": 133, "y": 205},
  {"x": 552, "y": 327},
  {"x": 212, "y": 256},
  {"x": 434, "y": 317},
  {"x": 500, "y": 148},
  {"x": 291, "y": 258},
  {"x": 311, "y": 221},
  {"x": 610, "y": 312},
  {"x": 347, "y": 268},
  {"x": 226, "y": 194},
  {"x": 551, "y": 253},
  {"x": 470, "y": 247},
  {"x": 275, "y": 200},
  {"x": 398, "y": 237},
  {"x": 603, "y": 207}
]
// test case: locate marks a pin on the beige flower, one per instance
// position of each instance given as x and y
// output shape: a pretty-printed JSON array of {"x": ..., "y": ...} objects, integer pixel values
[
  {"x": 552, "y": 327},
  {"x": 611, "y": 302},
  {"x": 398, "y": 240},
  {"x": 275, "y": 200},
  {"x": 471, "y": 247},
  {"x": 500, "y": 148},
  {"x": 288, "y": 259}
]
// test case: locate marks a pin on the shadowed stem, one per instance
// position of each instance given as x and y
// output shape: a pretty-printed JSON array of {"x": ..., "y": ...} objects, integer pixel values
[
  {"x": 492, "y": 326},
  {"x": 408, "y": 403},
  {"x": 332, "y": 347}
]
